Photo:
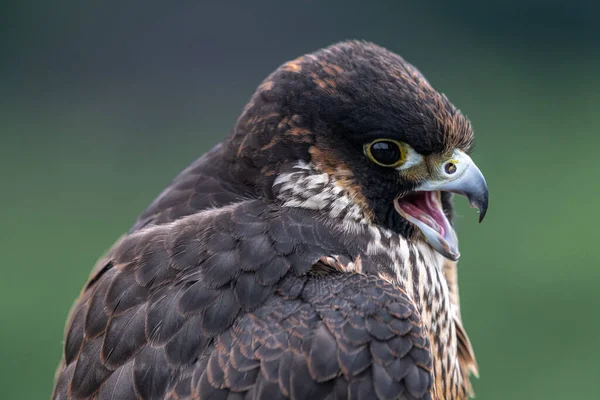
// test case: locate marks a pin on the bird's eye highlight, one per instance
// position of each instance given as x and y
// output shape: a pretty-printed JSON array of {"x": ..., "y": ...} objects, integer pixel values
[{"x": 386, "y": 152}]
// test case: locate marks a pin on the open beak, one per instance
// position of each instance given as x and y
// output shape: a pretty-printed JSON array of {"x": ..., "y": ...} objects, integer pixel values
[{"x": 423, "y": 206}]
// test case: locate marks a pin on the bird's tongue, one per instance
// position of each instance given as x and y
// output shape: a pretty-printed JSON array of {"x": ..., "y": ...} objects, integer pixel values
[
  {"x": 424, "y": 210},
  {"x": 426, "y": 207}
]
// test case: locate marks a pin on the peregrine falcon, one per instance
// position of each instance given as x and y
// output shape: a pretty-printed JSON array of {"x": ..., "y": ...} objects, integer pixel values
[{"x": 310, "y": 255}]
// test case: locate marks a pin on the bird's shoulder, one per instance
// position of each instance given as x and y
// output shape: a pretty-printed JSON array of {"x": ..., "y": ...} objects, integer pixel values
[
  {"x": 207, "y": 183},
  {"x": 246, "y": 299}
]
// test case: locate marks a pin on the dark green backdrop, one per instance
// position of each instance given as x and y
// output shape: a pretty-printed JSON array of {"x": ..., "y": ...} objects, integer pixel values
[{"x": 100, "y": 105}]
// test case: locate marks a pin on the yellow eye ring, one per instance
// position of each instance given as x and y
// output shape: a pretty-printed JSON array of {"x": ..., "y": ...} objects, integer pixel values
[{"x": 386, "y": 152}]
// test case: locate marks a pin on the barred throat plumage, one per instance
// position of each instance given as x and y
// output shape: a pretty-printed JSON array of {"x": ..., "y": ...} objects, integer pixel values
[
  {"x": 307, "y": 187},
  {"x": 413, "y": 266}
]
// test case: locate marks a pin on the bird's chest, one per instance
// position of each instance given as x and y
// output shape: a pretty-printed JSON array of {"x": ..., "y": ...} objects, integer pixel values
[
  {"x": 419, "y": 270},
  {"x": 438, "y": 312}
]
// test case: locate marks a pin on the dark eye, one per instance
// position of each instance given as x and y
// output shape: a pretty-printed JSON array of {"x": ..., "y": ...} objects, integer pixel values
[{"x": 385, "y": 152}]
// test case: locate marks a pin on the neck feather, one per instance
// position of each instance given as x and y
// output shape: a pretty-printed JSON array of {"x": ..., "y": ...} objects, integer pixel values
[{"x": 414, "y": 266}]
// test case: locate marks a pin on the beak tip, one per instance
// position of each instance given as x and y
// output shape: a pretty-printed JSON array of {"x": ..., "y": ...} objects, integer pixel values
[
  {"x": 482, "y": 212},
  {"x": 480, "y": 203}
]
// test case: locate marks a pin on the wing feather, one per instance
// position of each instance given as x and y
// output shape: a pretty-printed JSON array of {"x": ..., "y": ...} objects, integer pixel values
[{"x": 221, "y": 304}]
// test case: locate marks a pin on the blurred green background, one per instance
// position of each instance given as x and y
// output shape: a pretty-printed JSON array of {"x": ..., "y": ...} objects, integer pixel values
[{"x": 102, "y": 104}]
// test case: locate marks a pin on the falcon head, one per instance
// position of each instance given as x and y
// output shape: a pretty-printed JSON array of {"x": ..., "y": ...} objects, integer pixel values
[{"x": 356, "y": 131}]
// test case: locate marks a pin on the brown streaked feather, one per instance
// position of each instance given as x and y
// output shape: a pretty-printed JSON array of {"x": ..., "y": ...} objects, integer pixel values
[
  {"x": 185, "y": 334},
  {"x": 466, "y": 355},
  {"x": 342, "y": 174}
]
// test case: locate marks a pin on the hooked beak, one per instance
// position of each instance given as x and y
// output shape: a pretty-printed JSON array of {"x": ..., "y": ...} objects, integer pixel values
[{"x": 423, "y": 207}]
